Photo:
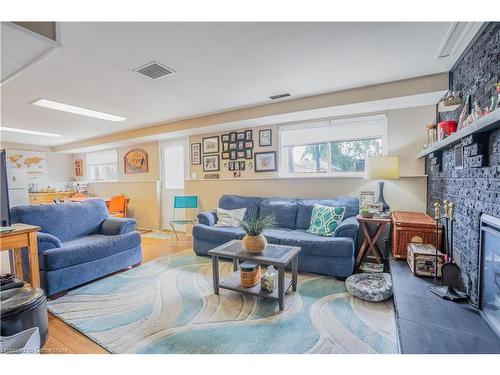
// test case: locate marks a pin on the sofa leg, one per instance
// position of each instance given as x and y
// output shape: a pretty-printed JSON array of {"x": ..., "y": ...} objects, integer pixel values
[
  {"x": 133, "y": 266},
  {"x": 58, "y": 295}
]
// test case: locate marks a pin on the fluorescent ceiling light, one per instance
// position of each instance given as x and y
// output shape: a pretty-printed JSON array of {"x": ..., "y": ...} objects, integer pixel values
[
  {"x": 78, "y": 110},
  {"x": 25, "y": 131}
]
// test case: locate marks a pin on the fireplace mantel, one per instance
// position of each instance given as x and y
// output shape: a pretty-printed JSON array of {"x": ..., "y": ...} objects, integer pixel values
[{"x": 484, "y": 124}]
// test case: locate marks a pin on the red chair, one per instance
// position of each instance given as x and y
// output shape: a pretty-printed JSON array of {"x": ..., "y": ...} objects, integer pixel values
[{"x": 117, "y": 206}]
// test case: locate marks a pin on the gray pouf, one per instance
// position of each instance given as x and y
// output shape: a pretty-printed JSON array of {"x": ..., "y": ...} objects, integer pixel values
[{"x": 373, "y": 287}]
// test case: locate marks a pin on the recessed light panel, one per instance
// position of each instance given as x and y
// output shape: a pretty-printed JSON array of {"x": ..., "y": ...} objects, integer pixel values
[
  {"x": 25, "y": 131},
  {"x": 77, "y": 110}
]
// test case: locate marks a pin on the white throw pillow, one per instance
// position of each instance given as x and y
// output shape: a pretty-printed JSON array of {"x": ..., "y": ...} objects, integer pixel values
[{"x": 230, "y": 218}]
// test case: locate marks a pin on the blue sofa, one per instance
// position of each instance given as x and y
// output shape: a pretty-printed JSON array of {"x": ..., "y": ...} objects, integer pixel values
[
  {"x": 332, "y": 256},
  {"x": 79, "y": 242}
]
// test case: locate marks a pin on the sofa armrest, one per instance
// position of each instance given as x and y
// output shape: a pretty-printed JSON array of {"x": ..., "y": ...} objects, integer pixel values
[
  {"x": 47, "y": 241},
  {"x": 347, "y": 228},
  {"x": 114, "y": 226},
  {"x": 208, "y": 218}
]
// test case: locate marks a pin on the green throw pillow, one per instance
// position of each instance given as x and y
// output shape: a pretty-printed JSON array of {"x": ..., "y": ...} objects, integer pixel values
[{"x": 325, "y": 219}]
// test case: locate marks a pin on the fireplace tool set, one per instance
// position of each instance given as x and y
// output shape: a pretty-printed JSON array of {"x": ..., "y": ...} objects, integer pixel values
[{"x": 451, "y": 280}]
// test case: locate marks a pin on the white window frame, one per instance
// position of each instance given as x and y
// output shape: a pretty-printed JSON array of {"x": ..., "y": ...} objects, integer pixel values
[
  {"x": 283, "y": 169},
  {"x": 90, "y": 165}
]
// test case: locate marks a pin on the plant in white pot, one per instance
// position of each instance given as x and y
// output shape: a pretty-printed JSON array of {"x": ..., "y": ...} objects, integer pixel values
[{"x": 254, "y": 241}]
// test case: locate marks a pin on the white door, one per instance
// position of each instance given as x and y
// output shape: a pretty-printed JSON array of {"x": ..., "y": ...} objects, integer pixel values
[{"x": 174, "y": 172}]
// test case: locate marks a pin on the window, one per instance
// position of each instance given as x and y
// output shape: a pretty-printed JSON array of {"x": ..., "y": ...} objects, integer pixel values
[
  {"x": 332, "y": 148},
  {"x": 103, "y": 165}
]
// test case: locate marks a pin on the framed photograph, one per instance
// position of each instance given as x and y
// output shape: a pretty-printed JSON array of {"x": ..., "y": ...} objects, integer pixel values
[
  {"x": 232, "y": 155},
  {"x": 240, "y": 136},
  {"x": 240, "y": 154},
  {"x": 265, "y": 161},
  {"x": 136, "y": 161},
  {"x": 236, "y": 166},
  {"x": 366, "y": 198},
  {"x": 241, "y": 145},
  {"x": 242, "y": 165},
  {"x": 79, "y": 167},
  {"x": 233, "y": 146},
  {"x": 231, "y": 165},
  {"x": 211, "y": 163},
  {"x": 225, "y": 155},
  {"x": 237, "y": 174},
  {"x": 225, "y": 146},
  {"x": 265, "y": 137},
  {"x": 249, "y": 153},
  {"x": 248, "y": 144},
  {"x": 225, "y": 137},
  {"x": 232, "y": 137},
  {"x": 211, "y": 145},
  {"x": 195, "y": 153},
  {"x": 248, "y": 135}
]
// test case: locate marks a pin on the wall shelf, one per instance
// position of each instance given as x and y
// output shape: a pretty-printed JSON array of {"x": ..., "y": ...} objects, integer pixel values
[{"x": 484, "y": 124}]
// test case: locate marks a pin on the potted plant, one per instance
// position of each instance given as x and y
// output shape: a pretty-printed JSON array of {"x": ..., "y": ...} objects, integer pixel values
[{"x": 254, "y": 241}]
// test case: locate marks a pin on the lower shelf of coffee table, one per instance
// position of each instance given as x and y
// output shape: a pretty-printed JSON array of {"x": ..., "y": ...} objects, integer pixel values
[{"x": 232, "y": 282}]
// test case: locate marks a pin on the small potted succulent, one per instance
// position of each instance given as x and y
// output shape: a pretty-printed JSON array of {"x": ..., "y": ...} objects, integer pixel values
[{"x": 254, "y": 241}]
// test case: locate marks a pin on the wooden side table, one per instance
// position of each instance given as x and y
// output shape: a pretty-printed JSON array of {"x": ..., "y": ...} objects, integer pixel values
[
  {"x": 370, "y": 240},
  {"x": 23, "y": 235}
]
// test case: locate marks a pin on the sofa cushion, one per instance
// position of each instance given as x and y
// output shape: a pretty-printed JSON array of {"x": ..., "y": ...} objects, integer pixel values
[
  {"x": 217, "y": 234},
  {"x": 275, "y": 235},
  {"x": 305, "y": 207},
  {"x": 231, "y": 202},
  {"x": 86, "y": 249},
  {"x": 65, "y": 221},
  {"x": 230, "y": 218},
  {"x": 325, "y": 219},
  {"x": 313, "y": 244},
  {"x": 285, "y": 211}
]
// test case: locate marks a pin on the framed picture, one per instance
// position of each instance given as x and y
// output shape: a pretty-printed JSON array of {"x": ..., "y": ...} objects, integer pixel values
[
  {"x": 232, "y": 155},
  {"x": 233, "y": 146},
  {"x": 225, "y": 146},
  {"x": 225, "y": 137},
  {"x": 248, "y": 144},
  {"x": 195, "y": 153},
  {"x": 211, "y": 145},
  {"x": 236, "y": 166},
  {"x": 231, "y": 165},
  {"x": 242, "y": 165},
  {"x": 237, "y": 174},
  {"x": 265, "y": 137},
  {"x": 211, "y": 163},
  {"x": 265, "y": 161},
  {"x": 241, "y": 145},
  {"x": 240, "y": 154},
  {"x": 79, "y": 167},
  {"x": 225, "y": 155},
  {"x": 366, "y": 198},
  {"x": 240, "y": 136},
  {"x": 232, "y": 137},
  {"x": 248, "y": 135},
  {"x": 136, "y": 161},
  {"x": 249, "y": 153}
]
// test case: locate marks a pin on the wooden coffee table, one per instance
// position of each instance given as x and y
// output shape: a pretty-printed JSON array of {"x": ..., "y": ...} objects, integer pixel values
[{"x": 276, "y": 255}]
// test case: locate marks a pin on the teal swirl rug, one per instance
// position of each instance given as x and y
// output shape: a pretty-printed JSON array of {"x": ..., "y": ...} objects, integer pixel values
[{"x": 168, "y": 306}]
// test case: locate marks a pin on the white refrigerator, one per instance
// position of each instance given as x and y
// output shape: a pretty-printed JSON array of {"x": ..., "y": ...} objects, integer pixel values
[{"x": 18, "y": 186}]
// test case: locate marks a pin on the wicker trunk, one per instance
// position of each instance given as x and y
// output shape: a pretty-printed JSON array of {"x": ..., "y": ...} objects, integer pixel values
[{"x": 412, "y": 227}]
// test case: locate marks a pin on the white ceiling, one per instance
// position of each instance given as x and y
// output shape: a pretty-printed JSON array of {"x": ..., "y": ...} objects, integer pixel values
[{"x": 218, "y": 66}]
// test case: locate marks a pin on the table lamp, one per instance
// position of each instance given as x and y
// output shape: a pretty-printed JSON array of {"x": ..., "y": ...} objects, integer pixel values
[{"x": 382, "y": 168}]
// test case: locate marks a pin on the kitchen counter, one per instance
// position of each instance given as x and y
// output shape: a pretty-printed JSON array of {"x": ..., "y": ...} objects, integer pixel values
[{"x": 48, "y": 197}]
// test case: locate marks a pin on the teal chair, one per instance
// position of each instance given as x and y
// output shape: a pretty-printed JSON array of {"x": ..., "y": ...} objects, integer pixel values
[{"x": 183, "y": 202}]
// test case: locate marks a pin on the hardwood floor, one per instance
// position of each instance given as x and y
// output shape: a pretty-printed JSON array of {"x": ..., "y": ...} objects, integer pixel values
[{"x": 63, "y": 339}]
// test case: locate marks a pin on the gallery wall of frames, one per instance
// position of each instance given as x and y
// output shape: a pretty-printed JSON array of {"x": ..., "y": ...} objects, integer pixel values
[{"x": 242, "y": 153}]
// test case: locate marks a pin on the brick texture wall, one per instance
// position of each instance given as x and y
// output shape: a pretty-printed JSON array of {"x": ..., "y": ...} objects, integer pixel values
[{"x": 475, "y": 187}]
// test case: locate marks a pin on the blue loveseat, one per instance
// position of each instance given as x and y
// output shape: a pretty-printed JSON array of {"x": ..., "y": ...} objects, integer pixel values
[
  {"x": 79, "y": 242},
  {"x": 332, "y": 256}
]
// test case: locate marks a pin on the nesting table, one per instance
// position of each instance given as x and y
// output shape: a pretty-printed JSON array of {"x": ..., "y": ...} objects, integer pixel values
[{"x": 278, "y": 256}]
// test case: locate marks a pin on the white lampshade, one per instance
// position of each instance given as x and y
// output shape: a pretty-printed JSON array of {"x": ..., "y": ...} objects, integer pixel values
[{"x": 382, "y": 167}]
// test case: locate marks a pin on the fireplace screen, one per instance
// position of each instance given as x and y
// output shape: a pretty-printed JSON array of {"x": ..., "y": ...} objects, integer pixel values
[{"x": 490, "y": 270}]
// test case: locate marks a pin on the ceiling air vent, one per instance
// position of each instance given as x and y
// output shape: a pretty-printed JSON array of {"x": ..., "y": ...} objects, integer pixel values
[
  {"x": 154, "y": 70},
  {"x": 280, "y": 96}
]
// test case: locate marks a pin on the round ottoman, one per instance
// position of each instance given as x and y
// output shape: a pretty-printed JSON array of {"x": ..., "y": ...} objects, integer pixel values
[{"x": 373, "y": 287}]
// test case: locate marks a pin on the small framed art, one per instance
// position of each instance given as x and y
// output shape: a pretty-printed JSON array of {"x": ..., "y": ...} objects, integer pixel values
[
  {"x": 225, "y": 146},
  {"x": 232, "y": 137},
  {"x": 195, "y": 153},
  {"x": 240, "y": 154},
  {"x": 224, "y": 137},
  {"x": 241, "y": 145},
  {"x": 240, "y": 136},
  {"x": 232, "y": 155},
  {"x": 211, "y": 163},
  {"x": 225, "y": 155},
  {"x": 211, "y": 145},
  {"x": 265, "y": 137},
  {"x": 249, "y": 153},
  {"x": 265, "y": 161},
  {"x": 366, "y": 198},
  {"x": 248, "y": 135}
]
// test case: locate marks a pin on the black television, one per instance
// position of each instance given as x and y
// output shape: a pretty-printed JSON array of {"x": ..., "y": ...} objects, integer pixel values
[{"x": 4, "y": 192}]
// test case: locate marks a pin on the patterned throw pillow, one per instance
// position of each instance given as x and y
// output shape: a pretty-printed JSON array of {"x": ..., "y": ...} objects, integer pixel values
[
  {"x": 325, "y": 219},
  {"x": 230, "y": 218}
]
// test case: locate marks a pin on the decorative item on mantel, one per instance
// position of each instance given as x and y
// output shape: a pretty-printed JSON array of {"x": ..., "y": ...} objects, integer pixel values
[
  {"x": 450, "y": 102},
  {"x": 254, "y": 241},
  {"x": 431, "y": 134}
]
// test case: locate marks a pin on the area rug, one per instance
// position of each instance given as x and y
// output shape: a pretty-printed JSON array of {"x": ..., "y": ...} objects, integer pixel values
[
  {"x": 168, "y": 306},
  {"x": 161, "y": 235}
]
